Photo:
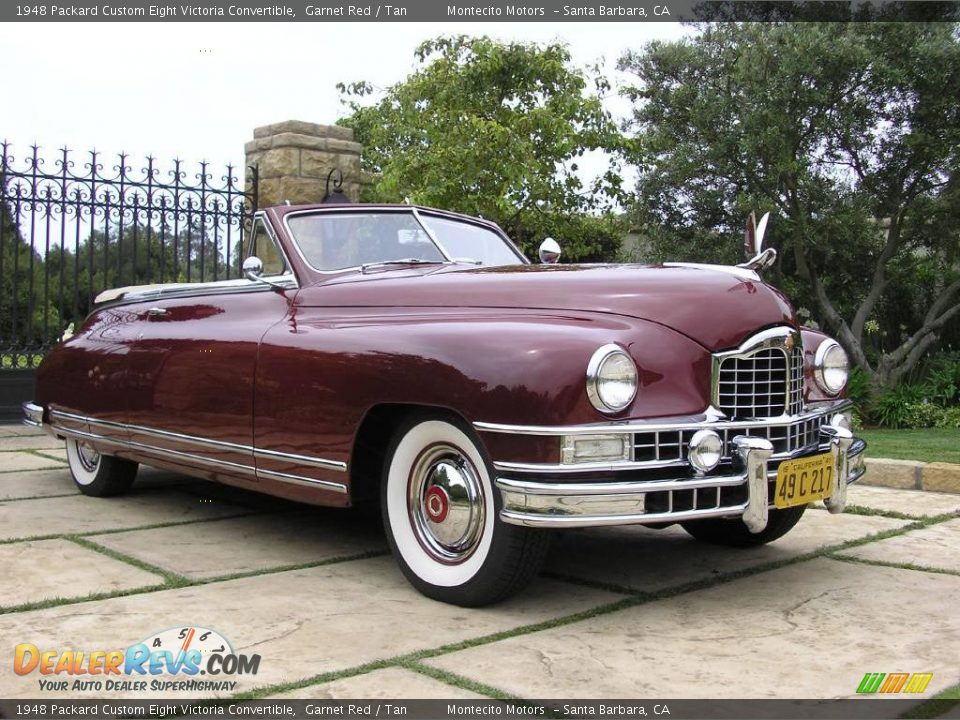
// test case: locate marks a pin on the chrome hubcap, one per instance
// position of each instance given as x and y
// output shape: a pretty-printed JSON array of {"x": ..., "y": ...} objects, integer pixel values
[
  {"x": 89, "y": 457},
  {"x": 445, "y": 501}
]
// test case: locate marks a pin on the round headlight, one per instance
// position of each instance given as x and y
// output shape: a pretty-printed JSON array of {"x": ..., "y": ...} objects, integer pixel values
[
  {"x": 830, "y": 367},
  {"x": 611, "y": 379}
]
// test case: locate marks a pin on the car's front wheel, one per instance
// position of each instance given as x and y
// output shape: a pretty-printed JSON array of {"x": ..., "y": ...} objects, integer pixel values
[
  {"x": 735, "y": 534},
  {"x": 96, "y": 474},
  {"x": 440, "y": 511}
]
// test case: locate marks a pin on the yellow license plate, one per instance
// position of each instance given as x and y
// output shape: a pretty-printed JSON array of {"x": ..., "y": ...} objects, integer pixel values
[{"x": 804, "y": 480}]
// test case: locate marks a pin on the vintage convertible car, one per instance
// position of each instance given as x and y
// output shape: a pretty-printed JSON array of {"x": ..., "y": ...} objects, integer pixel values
[{"x": 414, "y": 357}]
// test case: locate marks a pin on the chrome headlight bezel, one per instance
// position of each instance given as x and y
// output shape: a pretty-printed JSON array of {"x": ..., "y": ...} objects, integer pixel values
[
  {"x": 823, "y": 364},
  {"x": 599, "y": 362}
]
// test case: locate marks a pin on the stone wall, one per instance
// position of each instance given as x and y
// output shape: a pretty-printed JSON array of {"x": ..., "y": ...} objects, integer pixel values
[{"x": 295, "y": 157}]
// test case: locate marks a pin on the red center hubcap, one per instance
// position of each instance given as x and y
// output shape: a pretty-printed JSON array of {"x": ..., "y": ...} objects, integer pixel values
[{"x": 437, "y": 504}]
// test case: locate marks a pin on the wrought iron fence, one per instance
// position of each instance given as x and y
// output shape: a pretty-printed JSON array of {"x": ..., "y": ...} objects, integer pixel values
[{"x": 68, "y": 232}]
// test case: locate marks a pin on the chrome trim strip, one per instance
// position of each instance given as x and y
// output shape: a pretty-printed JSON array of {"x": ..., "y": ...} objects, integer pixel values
[
  {"x": 322, "y": 463},
  {"x": 665, "y": 424},
  {"x": 259, "y": 453},
  {"x": 588, "y": 466},
  {"x": 250, "y": 450},
  {"x": 539, "y": 520},
  {"x": 208, "y": 461},
  {"x": 191, "y": 290},
  {"x": 615, "y": 488},
  {"x": 162, "y": 452},
  {"x": 301, "y": 480}
]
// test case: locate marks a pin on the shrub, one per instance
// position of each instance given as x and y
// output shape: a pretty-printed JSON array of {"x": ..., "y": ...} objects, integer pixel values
[
  {"x": 949, "y": 419},
  {"x": 893, "y": 408},
  {"x": 942, "y": 384},
  {"x": 923, "y": 415}
]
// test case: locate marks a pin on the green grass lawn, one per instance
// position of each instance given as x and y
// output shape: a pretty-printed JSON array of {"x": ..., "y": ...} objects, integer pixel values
[{"x": 930, "y": 445}]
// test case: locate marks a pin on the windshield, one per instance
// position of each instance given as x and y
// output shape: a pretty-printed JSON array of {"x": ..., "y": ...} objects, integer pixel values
[
  {"x": 471, "y": 242},
  {"x": 335, "y": 241}
]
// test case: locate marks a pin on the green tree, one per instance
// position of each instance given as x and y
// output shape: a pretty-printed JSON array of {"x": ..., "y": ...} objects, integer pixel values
[
  {"x": 23, "y": 311},
  {"x": 494, "y": 129},
  {"x": 848, "y": 133}
]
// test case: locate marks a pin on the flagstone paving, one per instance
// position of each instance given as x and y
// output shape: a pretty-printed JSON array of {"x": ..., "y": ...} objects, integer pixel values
[
  {"x": 247, "y": 544},
  {"x": 79, "y": 514},
  {"x": 18, "y": 430},
  {"x": 40, "y": 570},
  {"x": 57, "y": 481},
  {"x": 36, "y": 483},
  {"x": 810, "y": 630},
  {"x": 21, "y": 460},
  {"x": 936, "y": 547},
  {"x": 301, "y": 622},
  {"x": 620, "y": 612},
  {"x": 387, "y": 684},
  {"x": 908, "y": 502},
  {"x": 649, "y": 560},
  {"x": 56, "y": 453},
  {"x": 33, "y": 441}
]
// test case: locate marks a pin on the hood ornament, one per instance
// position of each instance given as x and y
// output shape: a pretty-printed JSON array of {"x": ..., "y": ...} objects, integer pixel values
[{"x": 759, "y": 259}]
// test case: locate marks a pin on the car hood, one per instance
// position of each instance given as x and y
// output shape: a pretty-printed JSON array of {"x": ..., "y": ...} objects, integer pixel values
[{"x": 716, "y": 307}]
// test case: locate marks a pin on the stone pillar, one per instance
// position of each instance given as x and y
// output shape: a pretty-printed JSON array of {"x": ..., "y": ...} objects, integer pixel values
[{"x": 295, "y": 158}]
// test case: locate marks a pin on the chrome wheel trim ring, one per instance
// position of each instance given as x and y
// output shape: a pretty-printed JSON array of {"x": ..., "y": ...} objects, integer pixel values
[
  {"x": 446, "y": 504},
  {"x": 88, "y": 456}
]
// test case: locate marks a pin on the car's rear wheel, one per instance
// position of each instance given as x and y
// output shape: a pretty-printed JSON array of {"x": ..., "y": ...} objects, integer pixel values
[
  {"x": 441, "y": 514},
  {"x": 96, "y": 474},
  {"x": 735, "y": 534}
]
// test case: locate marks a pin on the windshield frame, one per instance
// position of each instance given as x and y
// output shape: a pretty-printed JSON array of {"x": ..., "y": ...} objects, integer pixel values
[{"x": 417, "y": 212}]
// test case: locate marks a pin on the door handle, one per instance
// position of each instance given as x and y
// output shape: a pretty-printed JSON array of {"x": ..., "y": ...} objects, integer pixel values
[{"x": 157, "y": 312}]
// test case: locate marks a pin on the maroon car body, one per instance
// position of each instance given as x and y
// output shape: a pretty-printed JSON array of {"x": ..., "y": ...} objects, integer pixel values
[{"x": 306, "y": 383}]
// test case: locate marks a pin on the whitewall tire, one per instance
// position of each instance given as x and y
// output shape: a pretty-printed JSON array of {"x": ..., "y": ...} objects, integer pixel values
[
  {"x": 96, "y": 474},
  {"x": 440, "y": 511}
]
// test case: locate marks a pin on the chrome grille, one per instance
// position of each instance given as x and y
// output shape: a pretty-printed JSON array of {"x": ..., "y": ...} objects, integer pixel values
[
  {"x": 763, "y": 379},
  {"x": 754, "y": 386},
  {"x": 671, "y": 445},
  {"x": 696, "y": 499}
]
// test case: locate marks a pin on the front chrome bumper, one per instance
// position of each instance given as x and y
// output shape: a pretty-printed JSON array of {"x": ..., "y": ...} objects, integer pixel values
[
  {"x": 32, "y": 414},
  {"x": 744, "y": 492}
]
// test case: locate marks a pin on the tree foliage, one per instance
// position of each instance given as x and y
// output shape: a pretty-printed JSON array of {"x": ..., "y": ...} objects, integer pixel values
[
  {"x": 493, "y": 129},
  {"x": 848, "y": 133},
  {"x": 22, "y": 309}
]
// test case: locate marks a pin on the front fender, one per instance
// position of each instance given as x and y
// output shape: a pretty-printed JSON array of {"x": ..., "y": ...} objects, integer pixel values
[{"x": 319, "y": 375}]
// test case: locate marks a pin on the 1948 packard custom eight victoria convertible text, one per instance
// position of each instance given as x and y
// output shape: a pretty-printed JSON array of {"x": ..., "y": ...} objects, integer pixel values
[{"x": 415, "y": 358}]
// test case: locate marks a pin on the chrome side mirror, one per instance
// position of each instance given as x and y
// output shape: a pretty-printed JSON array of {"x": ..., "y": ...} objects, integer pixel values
[
  {"x": 549, "y": 251},
  {"x": 253, "y": 268}
]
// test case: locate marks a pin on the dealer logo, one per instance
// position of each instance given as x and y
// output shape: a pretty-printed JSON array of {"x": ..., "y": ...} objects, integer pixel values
[{"x": 172, "y": 659}]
